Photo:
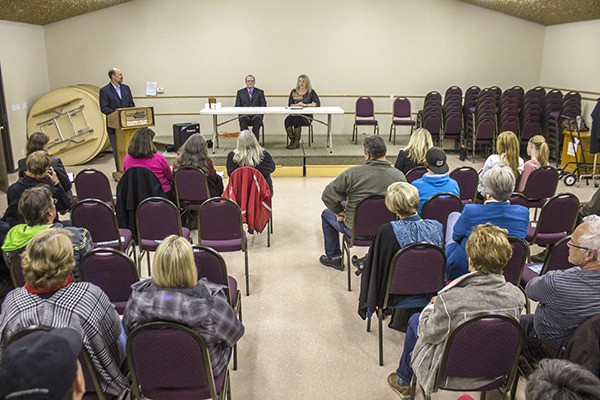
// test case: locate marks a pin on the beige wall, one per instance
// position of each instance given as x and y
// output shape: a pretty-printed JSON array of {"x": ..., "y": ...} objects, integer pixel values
[
  {"x": 25, "y": 75},
  {"x": 571, "y": 58},
  {"x": 346, "y": 47}
]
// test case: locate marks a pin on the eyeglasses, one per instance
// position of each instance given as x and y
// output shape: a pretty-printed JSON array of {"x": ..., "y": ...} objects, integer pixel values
[{"x": 571, "y": 244}]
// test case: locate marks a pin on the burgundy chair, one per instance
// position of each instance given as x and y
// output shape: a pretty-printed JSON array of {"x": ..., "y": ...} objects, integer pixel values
[
  {"x": 540, "y": 186},
  {"x": 513, "y": 270},
  {"x": 519, "y": 199},
  {"x": 365, "y": 116},
  {"x": 417, "y": 269},
  {"x": 415, "y": 173},
  {"x": 370, "y": 214},
  {"x": 93, "y": 184},
  {"x": 93, "y": 388},
  {"x": 112, "y": 271},
  {"x": 485, "y": 346},
  {"x": 171, "y": 361},
  {"x": 212, "y": 266},
  {"x": 220, "y": 227},
  {"x": 100, "y": 220},
  {"x": 468, "y": 180},
  {"x": 557, "y": 220},
  {"x": 401, "y": 115},
  {"x": 16, "y": 271},
  {"x": 155, "y": 219},
  {"x": 191, "y": 188},
  {"x": 556, "y": 259},
  {"x": 440, "y": 206}
]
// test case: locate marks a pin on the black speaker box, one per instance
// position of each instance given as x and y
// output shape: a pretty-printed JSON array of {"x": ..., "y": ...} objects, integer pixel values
[{"x": 182, "y": 131}]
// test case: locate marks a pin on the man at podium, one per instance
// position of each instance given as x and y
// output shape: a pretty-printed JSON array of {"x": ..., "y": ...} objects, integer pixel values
[{"x": 112, "y": 96}]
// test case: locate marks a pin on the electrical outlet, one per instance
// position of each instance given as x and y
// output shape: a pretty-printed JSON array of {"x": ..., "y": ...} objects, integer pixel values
[{"x": 160, "y": 90}]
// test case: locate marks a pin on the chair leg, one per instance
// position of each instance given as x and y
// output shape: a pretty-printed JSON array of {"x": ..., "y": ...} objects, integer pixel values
[
  {"x": 368, "y": 324},
  {"x": 139, "y": 261},
  {"x": 376, "y": 129},
  {"x": 148, "y": 262},
  {"x": 391, "y": 127},
  {"x": 246, "y": 269},
  {"x": 269, "y": 232},
  {"x": 380, "y": 318},
  {"x": 354, "y": 133},
  {"x": 235, "y": 357},
  {"x": 271, "y": 222},
  {"x": 482, "y": 397},
  {"x": 346, "y": 256}
]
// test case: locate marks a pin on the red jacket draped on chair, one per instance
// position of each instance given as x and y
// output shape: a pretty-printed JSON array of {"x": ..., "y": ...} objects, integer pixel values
[{"x": 249, "y": 189}]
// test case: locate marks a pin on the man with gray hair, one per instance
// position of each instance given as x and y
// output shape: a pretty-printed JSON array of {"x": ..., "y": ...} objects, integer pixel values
[
  {"x": 498, "y": 184},
  {"x": 352, "y": 186},
  {"x": 562, "y": 380},
  {"x": 567, "y": 297}
]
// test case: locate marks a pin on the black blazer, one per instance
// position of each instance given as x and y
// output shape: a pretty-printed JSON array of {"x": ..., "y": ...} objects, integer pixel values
[
  {"x": 110, "y": 100},
  {"x": 243, "y": 100}
]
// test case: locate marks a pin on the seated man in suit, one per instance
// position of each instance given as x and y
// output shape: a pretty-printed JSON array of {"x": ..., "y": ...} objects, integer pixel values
[
  {"x": 251, "y": 96},
  {"x": 112, "y": 96},
  {"x": 566, "y": 297}
]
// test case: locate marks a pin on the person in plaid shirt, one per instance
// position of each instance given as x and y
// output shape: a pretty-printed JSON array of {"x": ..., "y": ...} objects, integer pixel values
[
  {"x": 174, "y": 294},
  {"x": 50, "y": 297}
]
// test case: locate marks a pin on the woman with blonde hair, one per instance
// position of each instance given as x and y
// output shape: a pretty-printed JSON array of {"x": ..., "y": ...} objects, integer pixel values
[
  {"x": 50, "y": 296},
  {"x": 249, "y": 153},
  {"x": 302, "y": 95},
  {"x": 175, "y": 294},
  {"x": 194, "y": 153},
  {"x": 538, "y": 150},
  {"x": 413, "y": 155},
  {"x": 507, "y": 146}
]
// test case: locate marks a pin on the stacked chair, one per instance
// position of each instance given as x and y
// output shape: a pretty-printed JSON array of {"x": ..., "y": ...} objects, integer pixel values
[
  {"x": 509, "y": 111},
  {"x": 430, "y": 117},
  {"x": 452, "y": 112},
  {"x": 481, "y": 121},
  {"x": 531, "y": 114},
  {"x": 570, "y": 110},
  {"x": 551, "y": 114},
  {"x": 469, "y": 102}
]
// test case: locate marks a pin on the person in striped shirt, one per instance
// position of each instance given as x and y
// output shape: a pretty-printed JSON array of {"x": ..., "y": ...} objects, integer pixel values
[{"x": 566, "y": 297}]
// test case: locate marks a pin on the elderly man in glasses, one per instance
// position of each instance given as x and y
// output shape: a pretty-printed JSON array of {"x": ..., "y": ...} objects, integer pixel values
[{"x": 566, "y": 297}]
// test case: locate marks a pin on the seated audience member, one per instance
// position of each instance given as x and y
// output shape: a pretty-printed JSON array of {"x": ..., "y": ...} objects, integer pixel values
[
  {"x": 562, "y": 380},
  {"x": 194, "y": 153},
  {"x": 354, "y": 185},
  {"x": 437, "y": 179},
  {"x": 413, "y": 155},
  {"x": 50, "y": 297},
  {"x": 39, "y": 171},
  {"x": 250, "y": 96},
  {"x": 498, "y": 184},
  {"x": 39, "y": 210},
  {"x": 590, "y": 207},
  {"x": 567, "y": 297},
  {"x": 507, "y": 146},
  {"x": 249, "y": 153},
  {"x": 483, "y": 290},
  {"x": 43, "y": 365},
  {"x": 175, "y": 294},
  {"x": 403, "y": 200},
  {"x": 39, "y": 141},
  {"x": 537, "y": 149},
  {"x": 141, "y": 152}
]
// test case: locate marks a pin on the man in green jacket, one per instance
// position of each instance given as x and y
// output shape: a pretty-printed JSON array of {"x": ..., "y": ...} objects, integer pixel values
[{"x": 352, "y": 186}]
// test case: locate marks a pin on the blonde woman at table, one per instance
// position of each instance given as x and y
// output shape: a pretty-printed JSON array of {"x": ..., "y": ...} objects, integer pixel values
[{"x": 302, "y": 95}]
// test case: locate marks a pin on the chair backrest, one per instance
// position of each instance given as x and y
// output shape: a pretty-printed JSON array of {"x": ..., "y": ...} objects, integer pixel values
[
  {"x": 401, "y": 108},
  {"x": 219, "y": 219},
  {"x": 191, "y": 186},
  {"x": 485, "y": 346},
  {"x": 415, "y": 173},
  {"x": 156, "y": 218},
  {"x": 542, "y": 183},
  {"x": 365, "y": 107},
  {"x": 370, "y": 214},
  {"x": 112, "y": 271},
  {"x": 93, "y": 184},
  {"x": 416, "y": 269},
  {"x": 513, "y": 270},
  {"x": 440, "y": 206},
  {"x": 558, "y": 215},
  {"x": 558, "y": 258},
  {"x": 211, "y": 265},
  {"x": 168, "y": 360},
  {"x": 93, "y": 389},
  {"x": 518, "y": 199},
  {"x": 98, "y": 218},
  {"x": 468, "y": 180},
  {"x": 16, "y": 271}
]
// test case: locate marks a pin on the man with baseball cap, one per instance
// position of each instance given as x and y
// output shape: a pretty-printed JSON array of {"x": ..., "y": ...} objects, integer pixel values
[
  {"x": 43, "y": 365},
  {"x": 436, "y": 180}
]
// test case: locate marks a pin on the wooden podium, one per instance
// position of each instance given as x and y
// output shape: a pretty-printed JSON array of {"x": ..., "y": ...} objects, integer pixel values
[{"x": 125, "y": 121}]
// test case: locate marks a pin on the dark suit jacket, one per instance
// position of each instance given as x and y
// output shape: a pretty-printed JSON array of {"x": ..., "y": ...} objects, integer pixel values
[
  {"x": 110, "y": 100},
  {"x": 243, "y": 100}
]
